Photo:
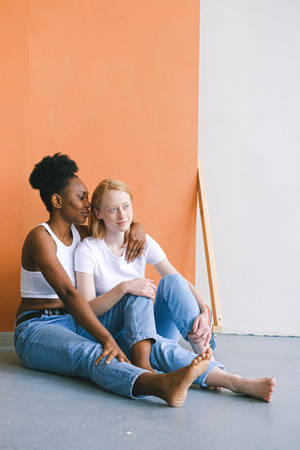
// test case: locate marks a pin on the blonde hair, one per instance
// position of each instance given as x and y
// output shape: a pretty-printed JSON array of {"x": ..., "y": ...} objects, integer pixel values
[{"x": 97, "y": 226}]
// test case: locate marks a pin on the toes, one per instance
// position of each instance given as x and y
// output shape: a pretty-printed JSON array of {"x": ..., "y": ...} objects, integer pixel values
[
  {"x": 270, "y": 389},
  {"x": 201, "y": 358},
  {"x": 207, "y": 354},
  {"x": 197, "y": 360},
  {"x": 268, "y": 399}
]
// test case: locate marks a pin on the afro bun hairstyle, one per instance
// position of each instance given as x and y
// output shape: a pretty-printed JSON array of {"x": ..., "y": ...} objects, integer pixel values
[{"x": 52, "y": 175}]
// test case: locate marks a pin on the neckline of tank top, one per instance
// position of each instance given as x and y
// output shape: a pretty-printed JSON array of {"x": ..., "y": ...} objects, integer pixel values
[{"x": 73, "y": 236}]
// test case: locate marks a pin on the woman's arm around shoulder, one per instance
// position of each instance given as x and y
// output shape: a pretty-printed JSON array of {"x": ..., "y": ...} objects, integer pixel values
[{"x": 135, "y": 242}]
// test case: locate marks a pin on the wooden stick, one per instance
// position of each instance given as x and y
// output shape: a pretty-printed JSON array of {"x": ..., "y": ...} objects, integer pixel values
[{"x": 209, "y": 252}]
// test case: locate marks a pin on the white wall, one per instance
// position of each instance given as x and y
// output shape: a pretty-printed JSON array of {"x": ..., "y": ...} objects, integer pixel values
[{"x": 249, "y": 136}]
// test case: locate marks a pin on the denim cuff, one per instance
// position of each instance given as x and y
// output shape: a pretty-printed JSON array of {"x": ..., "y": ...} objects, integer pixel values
[
  {"x": 201, "y": 380},
  {"x": 139, "y": 338}
]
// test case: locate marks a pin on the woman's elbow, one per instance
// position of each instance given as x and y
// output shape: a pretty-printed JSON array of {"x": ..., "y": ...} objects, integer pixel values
[{"x": 67, "y": 294}]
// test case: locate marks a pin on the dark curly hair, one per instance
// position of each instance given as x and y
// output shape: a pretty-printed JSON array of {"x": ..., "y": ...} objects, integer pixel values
[{"x": 52, "y": 175}]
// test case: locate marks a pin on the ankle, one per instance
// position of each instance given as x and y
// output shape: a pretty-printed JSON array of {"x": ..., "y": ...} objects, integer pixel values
[
  {"x": 234, "y": 383},
  {"x": 149, "y": 384}
]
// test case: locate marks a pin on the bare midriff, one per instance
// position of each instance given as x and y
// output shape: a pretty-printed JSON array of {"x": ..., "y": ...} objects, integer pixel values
[{"x": 28, "y": 304}]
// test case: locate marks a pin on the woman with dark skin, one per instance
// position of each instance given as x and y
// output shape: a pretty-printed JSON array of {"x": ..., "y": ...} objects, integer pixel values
[{"x": 57, "y": 330}]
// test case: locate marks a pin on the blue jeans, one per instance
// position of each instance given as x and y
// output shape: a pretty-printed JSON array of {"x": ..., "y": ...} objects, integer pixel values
[
  {"x": 175, "y": 308},
  {"x": 134, "y": 315},
  {"x": 58, "y": 344}
]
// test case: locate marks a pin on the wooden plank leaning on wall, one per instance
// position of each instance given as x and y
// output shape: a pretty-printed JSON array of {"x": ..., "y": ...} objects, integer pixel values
[{"x": 209, "y": 252}]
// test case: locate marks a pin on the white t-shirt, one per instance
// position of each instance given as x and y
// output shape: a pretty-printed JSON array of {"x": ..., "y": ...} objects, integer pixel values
[{"x": 93, "y": 256}]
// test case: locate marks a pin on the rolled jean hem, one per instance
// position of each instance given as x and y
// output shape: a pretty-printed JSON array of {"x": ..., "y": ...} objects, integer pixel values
[
  {"x": 212, "y": 365},
  {"x": 137, "y": 339},
  {"x": 137, "y": 397}
]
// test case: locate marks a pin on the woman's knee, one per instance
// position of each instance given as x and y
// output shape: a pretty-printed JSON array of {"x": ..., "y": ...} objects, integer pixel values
[
  {"x": 139, "y": 304},
  {"x": 173, "y": 279},
  {"x": 136, "y": 298}
]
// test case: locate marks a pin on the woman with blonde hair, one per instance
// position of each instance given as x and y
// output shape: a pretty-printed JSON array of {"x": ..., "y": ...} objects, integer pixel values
[
  {"x": 109, "y": 229},
  {"x": 100, "y": 266}
]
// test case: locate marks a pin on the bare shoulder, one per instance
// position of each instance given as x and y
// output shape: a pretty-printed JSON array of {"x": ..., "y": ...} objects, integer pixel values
[
  {"x": 37, "y": 243},
  {"x": 83, "y": 231},
  {"x": 38, "y": 237},
  {"x": 37, "y": 234}
]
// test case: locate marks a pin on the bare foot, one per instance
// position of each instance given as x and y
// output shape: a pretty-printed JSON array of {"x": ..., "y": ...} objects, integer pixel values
[
  {"x": 261, "y": 388},
  {"x": 175, "y": 384}
]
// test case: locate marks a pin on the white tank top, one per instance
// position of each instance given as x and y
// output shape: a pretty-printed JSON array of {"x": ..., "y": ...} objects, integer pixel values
[{"x": 34, "y": 285}]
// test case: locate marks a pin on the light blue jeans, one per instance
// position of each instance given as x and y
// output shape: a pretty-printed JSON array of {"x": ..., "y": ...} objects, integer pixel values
[
  {"x": 58, "y": 344},
  {"x": 175, "y": 308}
]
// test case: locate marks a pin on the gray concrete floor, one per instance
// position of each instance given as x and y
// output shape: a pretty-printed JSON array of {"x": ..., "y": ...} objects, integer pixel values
[{"x": 40, "y": 411}]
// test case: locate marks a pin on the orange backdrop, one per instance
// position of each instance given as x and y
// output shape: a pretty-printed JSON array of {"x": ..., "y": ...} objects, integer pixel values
[{"x": 115, "y": 86}]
